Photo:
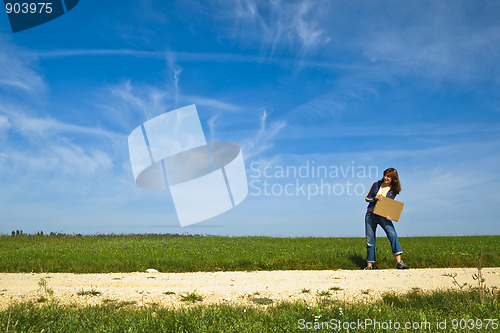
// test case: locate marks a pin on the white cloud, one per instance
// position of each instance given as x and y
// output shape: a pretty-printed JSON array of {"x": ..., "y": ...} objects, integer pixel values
[
  {"x": 263, "y": 140},
  {"x": 278, "y": 25},
  {"x": 4, "y": 123},
  {"x": 150, "y": 100},
  {"x": 17, "y": 69},
  {"x": 441, "y": 40},
  {"x": 46, "y": 127},
  {"x": 173, "y": 74},
  {"x": 146, "y": 104},
  {"x": 61, "y": 53},
  {"x": 211, "y": 127},
  {"x": 211, "y": 103},
  {"x": 45, "y": 152},
  {"x": 307, "y": 28},
  {"x": 420, "y": 131},
  {"x": 61, "y": 160}
]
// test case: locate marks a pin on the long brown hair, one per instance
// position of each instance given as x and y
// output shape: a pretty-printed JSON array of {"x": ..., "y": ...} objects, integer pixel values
[{"x": 395, "y": 184}]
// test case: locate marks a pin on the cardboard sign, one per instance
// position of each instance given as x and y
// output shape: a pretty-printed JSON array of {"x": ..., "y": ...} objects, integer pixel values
[{"x": 389, "y": 207}]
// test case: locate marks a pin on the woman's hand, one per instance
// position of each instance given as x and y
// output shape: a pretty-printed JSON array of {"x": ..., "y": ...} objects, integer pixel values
[
  {"x": 388, "y": 217},
  {"x": 378, "y": 197}
]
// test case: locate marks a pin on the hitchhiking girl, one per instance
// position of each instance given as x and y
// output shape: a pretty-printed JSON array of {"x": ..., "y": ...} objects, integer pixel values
[{"x": 389, "y": 186}]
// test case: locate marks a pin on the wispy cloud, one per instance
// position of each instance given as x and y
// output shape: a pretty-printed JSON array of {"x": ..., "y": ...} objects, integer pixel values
[
  {"x": 61, "y": 53},
  {"x": 264, "y": 138},
  {"x": 199, "y": 57},
  {"x": 443, "y": 41},
  {"x": 151, "y": 100},
  {"x": 416, "y": 130},
  {"x": 45, "y": 127},
  {"x": 44, "y": 151},
  {"x": 4, "y": 123},
  {"x": 212, "y": 127},
  {"x": 307, "y": 28},
  {"x": 212, "y": 103},
  {"x": 173, "y": 74},
  {"x": 147, "y": 100},
  {"x": 18, "y": 69},
  {"x": 61, "y": 160},
  {"x": 278, "y": 25}
]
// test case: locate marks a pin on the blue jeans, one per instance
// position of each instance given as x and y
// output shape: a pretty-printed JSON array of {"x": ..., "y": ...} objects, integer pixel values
[{"x": 371, "y": 223}]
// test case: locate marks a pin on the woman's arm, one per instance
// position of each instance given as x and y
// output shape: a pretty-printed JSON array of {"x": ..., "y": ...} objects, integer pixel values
[{"x": 371, "y": 196}]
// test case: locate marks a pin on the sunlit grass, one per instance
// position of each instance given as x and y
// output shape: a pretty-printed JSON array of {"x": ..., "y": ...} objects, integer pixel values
[
  {"x": 264, "y": 316},
  {"x": 187, "y": 253}
]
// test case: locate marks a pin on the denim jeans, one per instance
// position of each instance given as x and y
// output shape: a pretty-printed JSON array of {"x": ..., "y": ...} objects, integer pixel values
[{"x": 371, "y": 223}]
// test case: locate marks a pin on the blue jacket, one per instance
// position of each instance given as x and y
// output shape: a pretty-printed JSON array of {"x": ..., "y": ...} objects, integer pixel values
[{"x": 370, "y": 197}]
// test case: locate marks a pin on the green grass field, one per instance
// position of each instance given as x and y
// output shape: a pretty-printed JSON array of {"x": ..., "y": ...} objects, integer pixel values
[
  {"x": 469, "y": 310},
  {"x": 414, "y": 312},
  {"x": 186, "y": 253}
]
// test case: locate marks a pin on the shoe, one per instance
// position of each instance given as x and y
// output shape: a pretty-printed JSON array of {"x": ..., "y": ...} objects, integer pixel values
[
  {"x": 368, "y": 268},
  {"x": 401, "y": 265}
]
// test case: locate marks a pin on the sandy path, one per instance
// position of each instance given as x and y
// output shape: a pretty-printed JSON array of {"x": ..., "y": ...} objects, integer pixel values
[{"x": 233, "y": 287}]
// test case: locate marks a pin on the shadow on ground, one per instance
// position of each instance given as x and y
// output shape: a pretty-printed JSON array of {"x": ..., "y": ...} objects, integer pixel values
[{"x": 358, "y": 260}]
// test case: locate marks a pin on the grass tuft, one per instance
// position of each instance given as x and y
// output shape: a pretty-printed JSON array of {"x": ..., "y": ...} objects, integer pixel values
[
  {"x": 323, "y": 293},
  {"x": 191, "y": 297},
  {"x": 262, "y": 300},
  {"x": 91, "y": 292}
]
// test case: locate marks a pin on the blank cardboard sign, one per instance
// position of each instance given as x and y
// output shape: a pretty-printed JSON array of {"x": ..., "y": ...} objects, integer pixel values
[{"x": 389, "y": 207}]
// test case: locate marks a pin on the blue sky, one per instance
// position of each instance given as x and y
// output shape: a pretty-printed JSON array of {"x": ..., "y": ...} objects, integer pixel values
[{"x": 339, "y": 84}]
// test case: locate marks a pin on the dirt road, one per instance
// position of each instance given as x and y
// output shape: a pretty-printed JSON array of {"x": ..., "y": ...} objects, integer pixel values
[{"x": 165, "y": 289}]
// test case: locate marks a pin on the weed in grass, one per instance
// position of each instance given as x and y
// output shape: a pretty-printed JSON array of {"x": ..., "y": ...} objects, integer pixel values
[
  {"x": 48, "y": 293},
  {"x": 461, "y": 287},
  {"x": 262, "y": 300},
  {"x": 484, "y": 293},
  {"x": 191, "y": 297},
  {"x": 326, "y": 302},
  {"x": 115, "y": 304},
  {"x": 365, "y": 292},
  {"x": 335, "y": 288},
  {"x": 168, "y": 293},
  {"x": 305, "y": 291},
  {"x": 91, "y": 292},
  {"x": 42, "y": 299},
  {"x": 125, "y": 303},
  {"x": 323, "y": 293}
]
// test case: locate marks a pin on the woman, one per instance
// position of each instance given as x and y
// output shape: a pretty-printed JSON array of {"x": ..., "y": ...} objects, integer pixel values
[{"x": 388, "y": 187}]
